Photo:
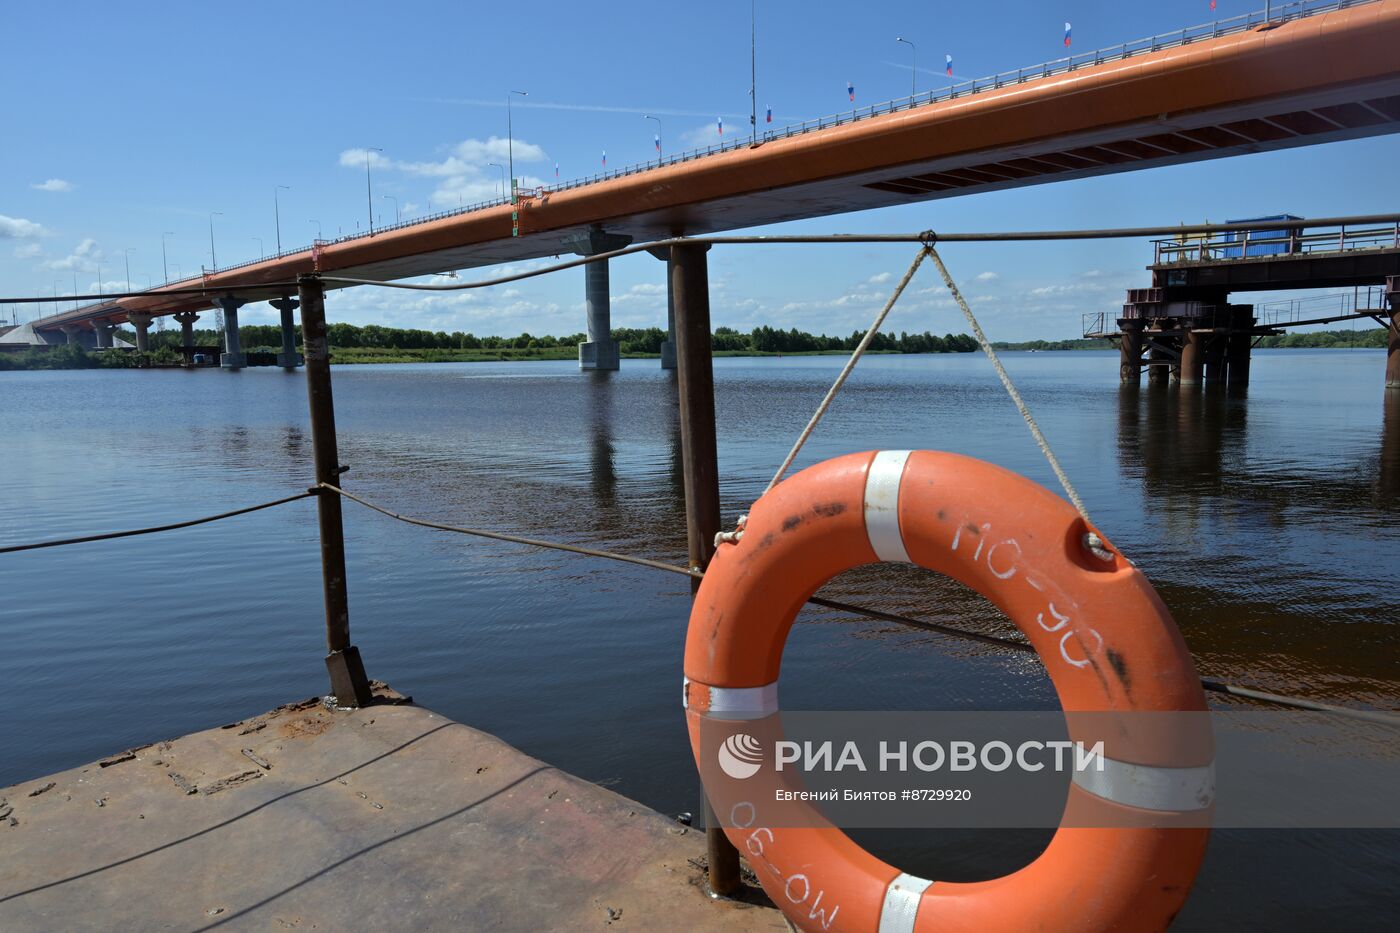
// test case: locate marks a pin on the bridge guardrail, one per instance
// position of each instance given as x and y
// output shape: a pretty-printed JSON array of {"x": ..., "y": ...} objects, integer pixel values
[{"x": 1287, "y": 240}]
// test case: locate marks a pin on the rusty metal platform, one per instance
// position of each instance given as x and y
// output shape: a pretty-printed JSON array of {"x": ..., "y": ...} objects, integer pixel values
[{"x": 386, "y": 818}]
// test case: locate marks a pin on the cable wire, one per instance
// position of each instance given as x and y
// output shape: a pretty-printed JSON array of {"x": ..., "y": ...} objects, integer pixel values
[{"x": 152, "y": 530}]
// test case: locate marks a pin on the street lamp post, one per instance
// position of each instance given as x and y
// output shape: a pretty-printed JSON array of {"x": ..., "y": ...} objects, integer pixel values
[
  {"x": 914, "y": 74},
  {"x": 164, "y": 264},
  {"x": 213, "y": 257},
  {"x": 510, "y": 141},
  {"x": 126, "y": 258},
  {"x": 658, "y": 135},
  {"x": 99, "y": 276},
  {"x": 390, "y": 197},
  {"x": 369, "y": 190},
  {"x": 277, "y": 214},
  {"x": 503, "y": 175}
]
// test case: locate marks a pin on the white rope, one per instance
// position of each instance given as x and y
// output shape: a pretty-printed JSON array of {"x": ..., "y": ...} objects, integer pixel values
[
  {"x": 850, "y": 365},
  {"x": 1040, "y": 440}
]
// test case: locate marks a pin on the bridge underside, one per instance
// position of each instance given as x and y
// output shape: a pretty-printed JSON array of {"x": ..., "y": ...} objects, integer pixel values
[{"x": 1325, "y": 78}]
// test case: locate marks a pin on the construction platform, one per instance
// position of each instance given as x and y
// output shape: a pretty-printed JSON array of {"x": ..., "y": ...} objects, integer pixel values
[{"x": 389, "y": 817}]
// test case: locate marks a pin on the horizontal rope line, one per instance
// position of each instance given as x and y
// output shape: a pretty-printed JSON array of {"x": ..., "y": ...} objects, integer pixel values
[
  {"x": 1381, "y": 716},
  {"x": 155, "y": 528},
  {"x": 926, "y": 236}
]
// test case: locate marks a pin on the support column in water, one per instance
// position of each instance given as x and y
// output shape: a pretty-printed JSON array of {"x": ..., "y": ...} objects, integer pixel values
[
  {"x": 287, "y": 358},
  {"x": 186, "y": 320},
  {"x": 1392, "y": 347},
  {"x": 1159, "y": 363},
  {"x": 668, "y": 346},
  {"x": 1240, "y": 344},
  {"x": 233, "y": 356},
  {"x": 600, "y": 351},
  {"x": 142, "y": 323},
  {"x": 1192, "y": 357},
  {"x": 1130, "y": 352}
]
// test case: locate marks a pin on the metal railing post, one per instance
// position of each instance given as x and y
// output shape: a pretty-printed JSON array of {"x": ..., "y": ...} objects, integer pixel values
[
  {"x": 349, "y": 685},
  {"x": 695, "y": 375}
]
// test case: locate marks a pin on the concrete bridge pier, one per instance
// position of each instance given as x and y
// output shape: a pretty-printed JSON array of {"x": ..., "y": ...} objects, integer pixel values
[
  {"x": 142, "y": 323},
  {"x": 600, "y": 351},
  {"x": 288, "y": 358},
  {"x": 72, "y": 331},
  {"x": 233, "y": 356},
  {"x": 668, "y": 346},
  {"x": 186, "y": 320},
  {"x": 103, "y": 329}
]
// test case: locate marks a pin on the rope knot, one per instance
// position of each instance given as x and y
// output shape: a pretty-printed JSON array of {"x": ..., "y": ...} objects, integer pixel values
[{"x": 929, "y": 239}]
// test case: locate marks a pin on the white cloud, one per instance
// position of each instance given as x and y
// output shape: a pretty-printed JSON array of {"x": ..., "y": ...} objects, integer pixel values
[
  {"x": 466, "y": 174},
  {"x": 84, "y": 258},
  {"x": 17, "y": 228},
  {"x": 28, "y": 251},
  {"x": 880, "y": 278},
  {"x": 987, "y": 277},
  {"x": 53, "y": 184}
]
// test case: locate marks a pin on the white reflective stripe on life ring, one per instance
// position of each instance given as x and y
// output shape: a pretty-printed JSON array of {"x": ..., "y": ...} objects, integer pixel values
[
  {"x": 1150, "y": 788},
  {"x": 882, "y": 505},
  {"x": 737, "y": 701},
  {"x": 901, "y": 906}
]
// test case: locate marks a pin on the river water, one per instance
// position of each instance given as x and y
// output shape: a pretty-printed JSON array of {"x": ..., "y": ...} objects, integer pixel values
[{"x": 1268, "y": 523}]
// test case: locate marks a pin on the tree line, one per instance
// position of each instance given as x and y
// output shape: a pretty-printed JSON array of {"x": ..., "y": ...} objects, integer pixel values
[{"x": 632, "y": 340}]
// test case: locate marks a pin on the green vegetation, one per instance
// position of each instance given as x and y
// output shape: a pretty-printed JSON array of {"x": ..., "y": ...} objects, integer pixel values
[
  {"x": 375, "y": 344},
  {"x": 1371, "y": 337},
  {"x": 75, "y": 357},
  {"x": 1081, "y": 343}
]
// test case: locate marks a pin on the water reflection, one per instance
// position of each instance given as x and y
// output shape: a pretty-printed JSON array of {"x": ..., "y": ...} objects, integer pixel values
[
  {"x": 1388, "y": 471},
  {"x": 602, "y": 471}
]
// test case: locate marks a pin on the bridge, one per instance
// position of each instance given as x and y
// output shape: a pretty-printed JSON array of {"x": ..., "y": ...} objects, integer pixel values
[
  {"x": 1310, "y": 72},
  {"x": 1184, "y": 328}
]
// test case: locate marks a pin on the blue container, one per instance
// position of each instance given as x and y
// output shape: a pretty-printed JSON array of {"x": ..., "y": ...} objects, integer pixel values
[{"x": 1261, "y": 242}]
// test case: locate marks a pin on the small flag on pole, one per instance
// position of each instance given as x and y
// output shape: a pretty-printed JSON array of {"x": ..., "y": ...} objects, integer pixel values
[
  {"x": 851, "y": 91},
  {"x": 658, "y": 144},
  {"x": 556, "y": 171},
  {"x": 1212, "y": 5},
  {"x": 1066, "y": 35},
  {"x": 605, "y": 158},
  {"x": 769, "y": 118},
  {"x": 949, "y": 67},
  {"x": 719, "y": 121}
]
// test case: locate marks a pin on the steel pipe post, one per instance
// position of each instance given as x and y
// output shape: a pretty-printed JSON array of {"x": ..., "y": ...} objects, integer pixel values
[
  {"x": 1192, "y": 358},
  {"x": 1392, "y": 348},
  {"x": 1130, "y": 352},
  {"x": 349, "y": 685},
  {"x": 1238, "y": 347},
  {"x": 689, "y": 283},
  {"x": 668, "y": 346}
]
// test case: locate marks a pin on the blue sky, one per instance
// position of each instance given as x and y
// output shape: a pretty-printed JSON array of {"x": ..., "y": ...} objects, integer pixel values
[{"x": 124, "y": 121}]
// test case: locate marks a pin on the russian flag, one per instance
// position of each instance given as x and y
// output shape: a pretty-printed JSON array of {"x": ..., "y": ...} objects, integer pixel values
[
  {"x": 605, "y": 158},
  {"x": 949, "y": 68},
  {"x": 1066, "y": 35},
  {"x": 719, "y": 121},
  {"x": 658, "y": 144},
  {"x": 769, "y": 118},
  {"x": 851, "y": 91},
  {"x": 556, "y": 171},
  {"x": 1212, "y": 5}
]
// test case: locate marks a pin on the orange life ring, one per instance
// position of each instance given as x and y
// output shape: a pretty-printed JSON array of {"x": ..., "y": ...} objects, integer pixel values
[{"x": 1104, "y": 636}]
